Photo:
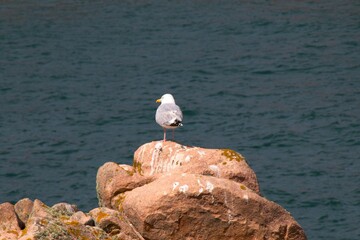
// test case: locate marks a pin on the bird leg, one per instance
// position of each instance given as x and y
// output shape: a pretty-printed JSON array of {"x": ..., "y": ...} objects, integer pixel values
[{"x": 164, "y": 134}]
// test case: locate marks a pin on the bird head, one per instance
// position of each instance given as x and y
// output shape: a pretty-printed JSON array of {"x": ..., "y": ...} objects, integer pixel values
[{"x": 166, "y": 98}]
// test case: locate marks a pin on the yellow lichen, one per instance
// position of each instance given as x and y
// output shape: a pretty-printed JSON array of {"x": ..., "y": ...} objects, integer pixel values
[
  {"x": 119, "y": 199},
  {"x": 73, "y": 223},
  {"x": 77, "y": 233},
  {"x": 43, "y": 222},
  {"x": 129, "y": 172},
  {"x": 64, "y": 218},
  {"x": 100, "y": 234},
  {"x": 232, "y": 155},
  {"x": 24, "y": 232},
  {"x": 100, "y": 216},
  {"x": 137, "y": 167},
  {"x": 13, "y": 232}
]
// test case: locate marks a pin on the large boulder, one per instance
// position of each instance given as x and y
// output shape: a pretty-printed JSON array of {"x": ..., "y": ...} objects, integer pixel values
[
  {"x": 179, "y": 192},
  {"x": 158, "y": 157},
  {"x": 193, "y": 206},
  {"x": 153, "y": 160},
  {"x": 171, "y": 192}
]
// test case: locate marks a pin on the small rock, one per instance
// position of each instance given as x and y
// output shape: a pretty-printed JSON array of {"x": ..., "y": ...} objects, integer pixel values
[
  {"x": 23, "y": 209},
  {"x": 114, "y": 223},
  {"x": 39, "y": 210},
  {"x": 55, "y": 223},
  {"x": 65, "y": 208},
  {"x": 113, "y": 178},
  {"x": 9, "y": 222},
  {"x": 82, "y": 218},
  {"x": 107, "y": 219}
]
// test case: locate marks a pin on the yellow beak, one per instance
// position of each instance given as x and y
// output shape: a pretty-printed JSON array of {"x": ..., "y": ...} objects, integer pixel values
[{"x": 158, "y": 100}]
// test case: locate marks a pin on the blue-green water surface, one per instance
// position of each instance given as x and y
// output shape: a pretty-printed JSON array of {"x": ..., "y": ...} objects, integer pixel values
[{"x": 277, "y": 81}]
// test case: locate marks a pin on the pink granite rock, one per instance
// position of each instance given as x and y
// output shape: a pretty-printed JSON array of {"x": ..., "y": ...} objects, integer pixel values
[
  {"x": 9, "y": 222},
  {"x": 171, "y": 192},
  {"x": 179, "y": 192},
  {"x": 158, "y": 158},
  {"x": 23, "y": 209},
  {"x": 193, "y": 206},
  {"x": 113, "y": 179},
  {"x": 65, "y": 208},
  {"x": 53, "y": 223},
  {"x": 82, "y": 218},
  {"x": 154, "y": 159},
  {"x": 114, "y": 223}
]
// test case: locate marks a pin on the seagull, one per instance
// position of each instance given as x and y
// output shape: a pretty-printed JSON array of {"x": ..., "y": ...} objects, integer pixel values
[{"x": 168, "y": 114}]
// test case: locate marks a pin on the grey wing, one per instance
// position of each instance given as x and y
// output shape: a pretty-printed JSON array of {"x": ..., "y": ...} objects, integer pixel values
[{"x": 168, "y": 114}]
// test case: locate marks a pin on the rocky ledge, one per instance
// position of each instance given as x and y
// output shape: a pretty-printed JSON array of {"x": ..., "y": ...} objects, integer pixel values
[{"x": 171, "y": 192}]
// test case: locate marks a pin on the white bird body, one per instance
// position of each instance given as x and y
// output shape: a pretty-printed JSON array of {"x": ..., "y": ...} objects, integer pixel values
[{"x": 168, "y": 114}]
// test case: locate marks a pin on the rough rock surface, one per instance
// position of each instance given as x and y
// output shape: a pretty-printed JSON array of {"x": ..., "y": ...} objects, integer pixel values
[
  {"x": 178, "y": 192},
  {"x": 82, "y": 218},
  {"x": 62, "y": 221},
  {"x": 23, "y": 209},
  {"x": 54, "y": 223},
  {"x": 193, "y": 206},
  {"x": 171, "y": 192},
  {"x": 154, "y": 159},
  {"x": 113, "y": 179},
  {"x": 114, "y": 223},
  {"x": 9, "y": 223},
  {"x": 158, "y": 157}
]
